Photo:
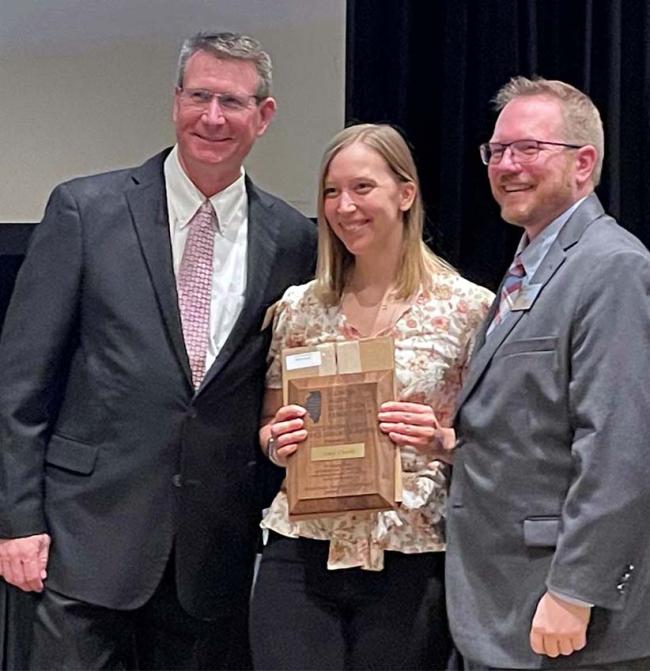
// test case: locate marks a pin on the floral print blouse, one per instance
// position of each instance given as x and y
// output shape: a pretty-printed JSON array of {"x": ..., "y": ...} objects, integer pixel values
[{"x": 433, "y": 338}]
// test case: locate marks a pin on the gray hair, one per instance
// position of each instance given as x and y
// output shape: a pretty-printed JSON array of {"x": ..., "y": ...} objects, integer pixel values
[
  {"x": 233, "y": 46},
  {"x": 582, "y": 122}
]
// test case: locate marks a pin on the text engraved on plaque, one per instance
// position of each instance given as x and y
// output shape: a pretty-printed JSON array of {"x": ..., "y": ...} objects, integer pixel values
[{"x": 346, "y": 463}]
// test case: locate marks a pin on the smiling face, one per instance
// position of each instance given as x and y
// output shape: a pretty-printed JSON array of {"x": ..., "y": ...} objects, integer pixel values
[
  {"x": 533, "y": 194},
  {"x": 364, "y": 202},
  {"x": 213, "y": 142}
]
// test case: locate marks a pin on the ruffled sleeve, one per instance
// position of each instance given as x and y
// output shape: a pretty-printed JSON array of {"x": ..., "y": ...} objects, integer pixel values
[{"x": 288, "y": 331}]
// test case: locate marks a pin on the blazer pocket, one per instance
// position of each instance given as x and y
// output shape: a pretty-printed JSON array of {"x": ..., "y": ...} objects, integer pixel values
[
  {"x": 541, "y": 532},
  {"x": 529, "y": 345},
  {"x": 71, "y": 454}
]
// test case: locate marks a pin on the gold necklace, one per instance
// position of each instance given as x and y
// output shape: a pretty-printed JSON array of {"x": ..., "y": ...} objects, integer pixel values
[{"x": 371, "y": 319}]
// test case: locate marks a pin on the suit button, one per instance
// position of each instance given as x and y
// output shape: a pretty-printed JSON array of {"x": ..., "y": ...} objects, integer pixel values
[
  {"x": 177, "y": 480},
  {"x": 192, "y": 413}
]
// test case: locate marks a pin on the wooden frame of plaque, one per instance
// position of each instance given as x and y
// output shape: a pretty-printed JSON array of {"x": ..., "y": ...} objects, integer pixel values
[{"x": 346, "y": 464}]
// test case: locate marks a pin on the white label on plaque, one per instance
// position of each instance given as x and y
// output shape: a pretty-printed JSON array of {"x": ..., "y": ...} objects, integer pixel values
[{"x": 303, "y": 360}]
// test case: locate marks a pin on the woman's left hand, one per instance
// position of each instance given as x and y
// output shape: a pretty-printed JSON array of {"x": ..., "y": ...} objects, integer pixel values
[{"x": 415, "y": 424}]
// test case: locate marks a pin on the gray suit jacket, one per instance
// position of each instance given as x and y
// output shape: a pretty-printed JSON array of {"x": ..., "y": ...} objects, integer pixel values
[
  {"x": 551, "y": 485},
  {"x": 103, "y": 441}
]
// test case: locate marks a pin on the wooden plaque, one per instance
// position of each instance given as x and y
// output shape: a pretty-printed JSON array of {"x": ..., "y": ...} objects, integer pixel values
[{"x": 346, "y": 464}]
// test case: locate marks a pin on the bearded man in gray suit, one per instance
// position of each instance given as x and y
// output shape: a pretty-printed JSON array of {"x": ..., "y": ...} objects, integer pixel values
[{"x": 548, "y": 539}]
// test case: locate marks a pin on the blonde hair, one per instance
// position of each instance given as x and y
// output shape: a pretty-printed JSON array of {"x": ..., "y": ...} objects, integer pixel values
[
  {"x": 582, "y": 122},
  {"x": 418, "y": 263}
]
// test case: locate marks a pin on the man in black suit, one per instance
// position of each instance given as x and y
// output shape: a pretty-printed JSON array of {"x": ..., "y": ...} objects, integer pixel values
[{"x": 129, "y": 475}]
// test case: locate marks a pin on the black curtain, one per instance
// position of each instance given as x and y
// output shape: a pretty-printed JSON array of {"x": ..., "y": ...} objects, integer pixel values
[{"x": 432, "y": 67}]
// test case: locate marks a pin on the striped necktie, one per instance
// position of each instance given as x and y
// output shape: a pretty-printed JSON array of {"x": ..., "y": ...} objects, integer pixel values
[{"x": 511, "y": 287}]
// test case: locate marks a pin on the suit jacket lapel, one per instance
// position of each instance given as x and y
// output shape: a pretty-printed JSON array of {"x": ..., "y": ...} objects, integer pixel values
[
  {"x": 486, "y": 347},
  {"x": 481, "y": 334},
  {"x": 483, "y": 356},
  {"x": 262, "y": 242},
  {"x": 148, "y": 205}
]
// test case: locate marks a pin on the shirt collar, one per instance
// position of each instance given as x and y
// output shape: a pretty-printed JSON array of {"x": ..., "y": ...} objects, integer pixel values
[
  {"x": 184, "y": 199},
  {"x": 531, "y": 254}
]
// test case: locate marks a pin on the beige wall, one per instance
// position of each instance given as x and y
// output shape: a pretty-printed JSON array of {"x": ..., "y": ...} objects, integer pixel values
[{"x": 109, "y": 107}]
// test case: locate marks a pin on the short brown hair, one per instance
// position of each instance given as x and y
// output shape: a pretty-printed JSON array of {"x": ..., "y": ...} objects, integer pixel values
[
  {"x": 229, "y": 45},
  {"x": 582, "y": 122}
]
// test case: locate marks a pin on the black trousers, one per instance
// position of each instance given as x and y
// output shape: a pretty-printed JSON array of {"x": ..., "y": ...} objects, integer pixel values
[
  {"x": 16, "y": 618},
  {"x": 70, "y": 634},
  {"x": 306, "y": 617}
]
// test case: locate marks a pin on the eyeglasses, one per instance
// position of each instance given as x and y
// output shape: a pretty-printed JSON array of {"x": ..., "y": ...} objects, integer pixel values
[
  {"x": 521, "y": 151},
  {"x": 229, "y": 103}
]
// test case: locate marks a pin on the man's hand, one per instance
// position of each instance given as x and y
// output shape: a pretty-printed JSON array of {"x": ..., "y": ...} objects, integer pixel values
[
  {"x": 23, "y": 561},
  {"x": 559, "y": 627}
]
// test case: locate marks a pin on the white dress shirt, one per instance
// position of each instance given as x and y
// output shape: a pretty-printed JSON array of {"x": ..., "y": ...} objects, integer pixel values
[{"x": 230, "y": 244}]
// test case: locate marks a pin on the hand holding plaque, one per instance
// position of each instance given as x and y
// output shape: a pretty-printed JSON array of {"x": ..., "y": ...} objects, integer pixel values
[
  {"x": 346, "y": 463},
  {"x": 416, "y": 425},
  {"x": 287, "y": 429}
]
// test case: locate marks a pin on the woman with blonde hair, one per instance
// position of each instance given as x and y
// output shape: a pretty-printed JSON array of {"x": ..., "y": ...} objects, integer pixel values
[{"x": 366, "y": 590}]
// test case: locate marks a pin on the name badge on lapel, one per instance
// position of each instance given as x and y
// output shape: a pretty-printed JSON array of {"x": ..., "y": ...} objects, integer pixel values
[{"x": 526, "y": 297}]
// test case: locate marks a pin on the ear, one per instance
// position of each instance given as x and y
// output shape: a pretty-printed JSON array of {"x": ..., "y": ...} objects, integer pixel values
[
  {"x": 176, "y": 105},
  {"x": 266, "y": 109},
  {"x": 585, "y": 160},
  {"x": 407, "y": 195}
]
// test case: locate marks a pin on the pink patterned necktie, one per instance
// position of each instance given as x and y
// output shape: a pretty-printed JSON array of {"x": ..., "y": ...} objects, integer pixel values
[
  {"x": 194, "y": 284},
  {"x": 511, "y": 287}
]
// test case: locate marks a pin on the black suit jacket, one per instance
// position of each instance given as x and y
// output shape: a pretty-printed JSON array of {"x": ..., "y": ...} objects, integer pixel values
[{"x": 104, "y": 443}]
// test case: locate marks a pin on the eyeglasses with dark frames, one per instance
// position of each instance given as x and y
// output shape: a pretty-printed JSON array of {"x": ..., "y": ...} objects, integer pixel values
[{"x": 521, "y": 151}]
